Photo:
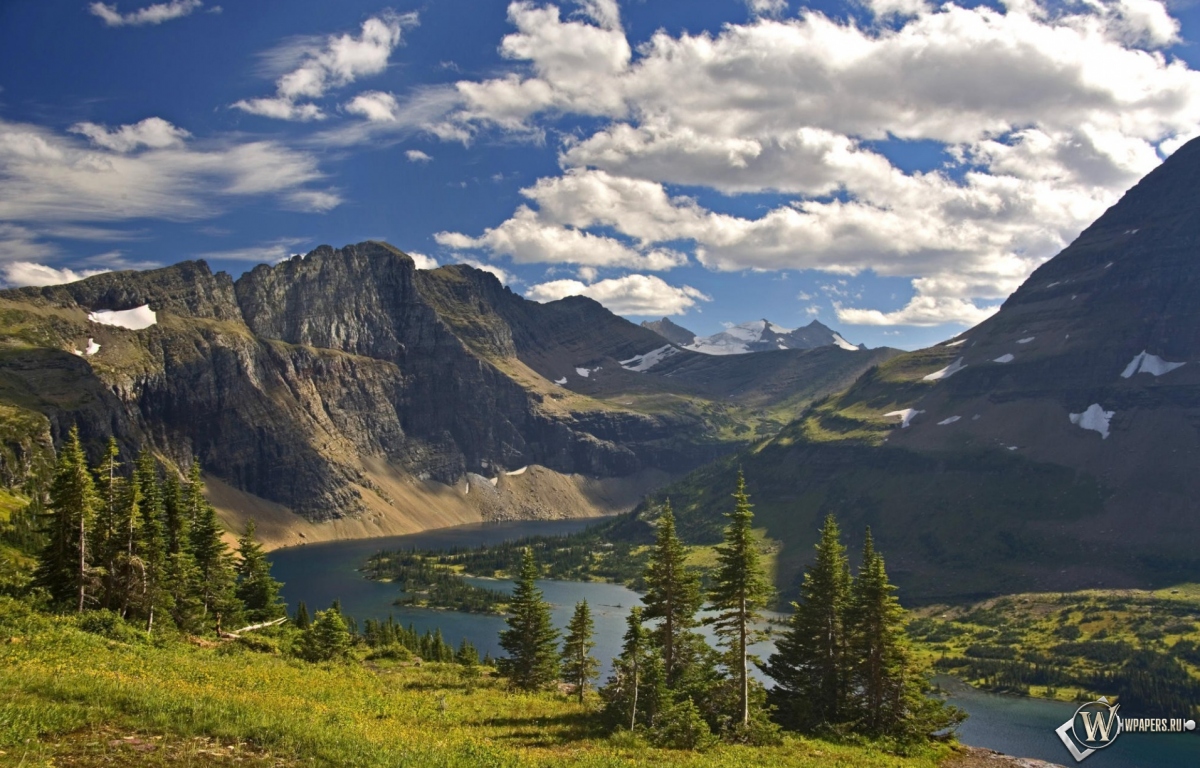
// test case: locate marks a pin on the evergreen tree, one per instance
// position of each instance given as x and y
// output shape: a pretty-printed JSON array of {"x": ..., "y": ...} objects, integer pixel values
[
  {"x": 739, "y": 592},
  {"x": 327, "y": 639},
  {"x": 302, "y": 616},
  {"x": 257, "y": 590},
  {"x": 622, "y": 693},
  {"x": 127, "y": 581},
  {"x": 530, "y": 639},
  {"x": 107, "y": 539},
  {"x": 154, "y": 598},
  {"x": 63, "y": 568},
  {"x": 810, "y": 663},
  {"x": 176, "y": 517},
  {"x": 579, "y": 666},
  {"x": 214, "y": 562},
  {"x": 672, "y": 595},
  {"x": 467, "y": 655}
]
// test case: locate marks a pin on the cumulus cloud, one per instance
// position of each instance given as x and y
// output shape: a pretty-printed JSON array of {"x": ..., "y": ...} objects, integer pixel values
[
  {"x": 1045, "y": 117},
  {"x": 628, "y": 295},
  {"x": 417, "y": 156},
  {"x": 153, "y": 132},
  {"x": 151, "y": 14},
  {"x": 767, "y": 7},
  {"x": 22, "y": 273},
  {"x": 336, "y": 62},
  {"x": 56, "y": 180},
  {"x": 422, "y": 261}
]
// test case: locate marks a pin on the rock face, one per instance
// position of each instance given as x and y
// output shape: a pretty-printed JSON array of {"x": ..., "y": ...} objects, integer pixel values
[
  {"x": 765, "y": 336},
  {"x": 297, "y": 382},
  {"x": 1053, "y": 446},
  {"x": 676, "y": 334}
]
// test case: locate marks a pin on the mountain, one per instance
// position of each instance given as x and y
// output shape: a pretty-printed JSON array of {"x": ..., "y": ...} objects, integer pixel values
[
  {"x": 764, "y": 336},
  {"x": 348, "y": 388},
  {"x": 676, "y": 334},
  {"x": 1052, "y": 447}
]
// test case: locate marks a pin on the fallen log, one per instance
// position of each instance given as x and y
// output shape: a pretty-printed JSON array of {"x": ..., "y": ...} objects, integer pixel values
[{"x": 235, "y": 634}]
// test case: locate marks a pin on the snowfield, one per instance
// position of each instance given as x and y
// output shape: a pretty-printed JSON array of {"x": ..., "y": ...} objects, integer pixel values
[
  {"x": 906, "y": 416},
  {"x": 135, "y": 319},
  {"x": 642, "y": 363},
  {"x": 1094, "y": 418},
  {"x": 1003, "y": 359},
  {"x": 946, "y": 372},
  {"x": 950, "y": 420},
  {"x": 1147, "y": 363}
]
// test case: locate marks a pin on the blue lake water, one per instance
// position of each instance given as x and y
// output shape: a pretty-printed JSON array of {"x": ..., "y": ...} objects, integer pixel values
[{"x": 317, "y": 574}]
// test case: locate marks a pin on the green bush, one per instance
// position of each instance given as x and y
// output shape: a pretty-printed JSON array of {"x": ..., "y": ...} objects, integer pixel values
[
  {"x": 390, "y": 653},
  {"x": 680, "y": 726},
  {"x": 109, "y": 624}
]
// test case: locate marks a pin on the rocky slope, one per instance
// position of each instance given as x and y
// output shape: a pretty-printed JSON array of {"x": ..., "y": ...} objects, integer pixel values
[
  {"x": 348, "y": 384},
  {"x": 676, "y": 334},
  {"x": 1053, "y": 446}
]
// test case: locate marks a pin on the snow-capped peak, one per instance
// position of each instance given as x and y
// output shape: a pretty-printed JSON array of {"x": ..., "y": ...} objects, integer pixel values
[{"x": 765, "y": 336}]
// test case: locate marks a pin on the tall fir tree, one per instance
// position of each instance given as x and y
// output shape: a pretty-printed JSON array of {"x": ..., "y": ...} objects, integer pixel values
[
  {"x": 129, "y": 571},
  {"x": 672, "y": 595},
  {"x": 579, "y": 666},
  {"x": 531, "y": 639},
  {"x": 809, "y": 667},
  {"x": 63, "y": 568},
  {"x": 107, "y": 540},
  {"x": 154, "y": 599},
  {"x": 214, "y": 563},
  {"x": 739, "y": 593},
  {"x": 301, "y": 621},
  {"x": 625, "y": 693},
  {"x": 257, "y": 589}
]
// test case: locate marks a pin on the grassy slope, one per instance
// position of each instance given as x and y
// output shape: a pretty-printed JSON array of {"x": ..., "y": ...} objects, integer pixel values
[{"x": 61, "y": 687}]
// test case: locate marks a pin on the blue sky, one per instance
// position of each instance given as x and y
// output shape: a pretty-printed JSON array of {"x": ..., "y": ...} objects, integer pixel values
[{"x": 893, "y": 168}]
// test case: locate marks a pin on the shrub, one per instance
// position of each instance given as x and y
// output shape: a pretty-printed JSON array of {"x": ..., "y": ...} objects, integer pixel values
[
  {"x": 680, "y": 726},
  {"x": 108, "y": 624}
]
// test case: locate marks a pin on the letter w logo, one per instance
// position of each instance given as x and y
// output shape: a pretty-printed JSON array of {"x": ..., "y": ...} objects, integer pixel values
[{"x": 1098, "y": 727}]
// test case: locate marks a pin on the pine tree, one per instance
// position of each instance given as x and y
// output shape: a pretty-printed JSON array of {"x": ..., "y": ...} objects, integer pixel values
[
  {"x": 579, "y": 666},
  {"x": 257, "y": 590},
  {"x": 327, "y": 639},
  {"x": 214, "y": 562},
  {"x": 672, "y": 594},
  {"x": 107, "y": 539},
  {"x": 739, "y": 592},
  {"x": 175, "y": 516},
  {"x": 302, "y": 616},
  {"x": 154, "y": 598},
  {"x": 129, "y": 572},
  {"x": 63, "y": 568},
  {"x": 467, "y": 655},
  {"x": 622, "y": 692},
  {"x": 530, "y": 639},
  {"x": 809, "y": 665}
]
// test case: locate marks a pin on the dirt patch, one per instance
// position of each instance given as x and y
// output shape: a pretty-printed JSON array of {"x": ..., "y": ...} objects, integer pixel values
[
  {"x": 976, "y": 757},
  {"x": 107, "y": 746}
]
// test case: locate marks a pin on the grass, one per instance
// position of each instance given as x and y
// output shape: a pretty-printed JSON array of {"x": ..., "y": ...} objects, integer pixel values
[{"x": 70, "y": 697}]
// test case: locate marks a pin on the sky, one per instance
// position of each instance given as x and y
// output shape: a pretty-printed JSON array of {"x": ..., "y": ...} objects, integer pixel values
[{"x": 892, "y": 168}]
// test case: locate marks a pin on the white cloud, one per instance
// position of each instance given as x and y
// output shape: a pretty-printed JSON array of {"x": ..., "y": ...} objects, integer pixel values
[
  {"x": 501, "y": 274},
  {"x": 270, "y": 252},
  {"x": 56, "y": 180},
  {"x": 1045, "y": 115},
  {"x": 336, "y": 62},
  {"x": 422, "y": 261},
  {"x": 153, "y": 132},
  {"x": 417, "y": 156},
  {"x": 767, "y": 7},
  {"x": 22, "y": 273},
  {"x": 922, "y": 310},
  {"x": 151, "y": 14},
  {"x": 628, "y": 295},
  {"x": 375, "y": 106}
]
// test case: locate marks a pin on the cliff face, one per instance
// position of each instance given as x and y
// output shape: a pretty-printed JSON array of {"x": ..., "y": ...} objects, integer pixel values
[{"x": 299, "y": 381}]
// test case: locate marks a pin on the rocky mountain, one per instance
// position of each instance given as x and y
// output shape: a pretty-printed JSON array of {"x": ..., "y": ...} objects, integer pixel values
[
  {"x": 676, "y": 334},
  {"x": 1052, "y": 447},
  {"x": 347, "y": 385},
  {"x": 765, "y": 336}
]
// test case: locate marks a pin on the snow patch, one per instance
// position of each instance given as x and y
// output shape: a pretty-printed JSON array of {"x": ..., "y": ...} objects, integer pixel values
[
  {"x": 839, "y": 341},
  {"x": 946, "y": 372},
  {"x": 642, "y": 363},
  {"x": 1094, "y": 418},
  {"x": 561, "y": 381},
  {"x": 1056, "y": 282},
  {"x": 1026, "y": 340},
  {"x": 975, "y": 417},
  {"x": 906, "y": 416},
  {"x": 516, "y": 472},
  {"x": 93, "y": 348},
  {"x": 1012, "y": 447},
  {"x": 494, "y": 481},
  {"x": 1003, "y": 359},
  {"x": 134, "y": 319},
  {"x": 1147, "y": 363},
  {"x": 582, "y": 372},
  {"x": 950, "y": 420},
  {"x": 954, "y": 343}
]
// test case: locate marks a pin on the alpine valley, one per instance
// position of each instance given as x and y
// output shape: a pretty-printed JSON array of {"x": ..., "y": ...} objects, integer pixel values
[{"x": 345, "y": 393}]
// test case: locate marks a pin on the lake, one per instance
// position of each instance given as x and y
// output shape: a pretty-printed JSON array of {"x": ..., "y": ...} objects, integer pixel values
[{"x": 317, "y": 574}]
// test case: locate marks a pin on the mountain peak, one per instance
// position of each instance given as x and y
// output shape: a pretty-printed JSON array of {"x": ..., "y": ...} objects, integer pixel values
[{"x": 765, "y": 336}]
